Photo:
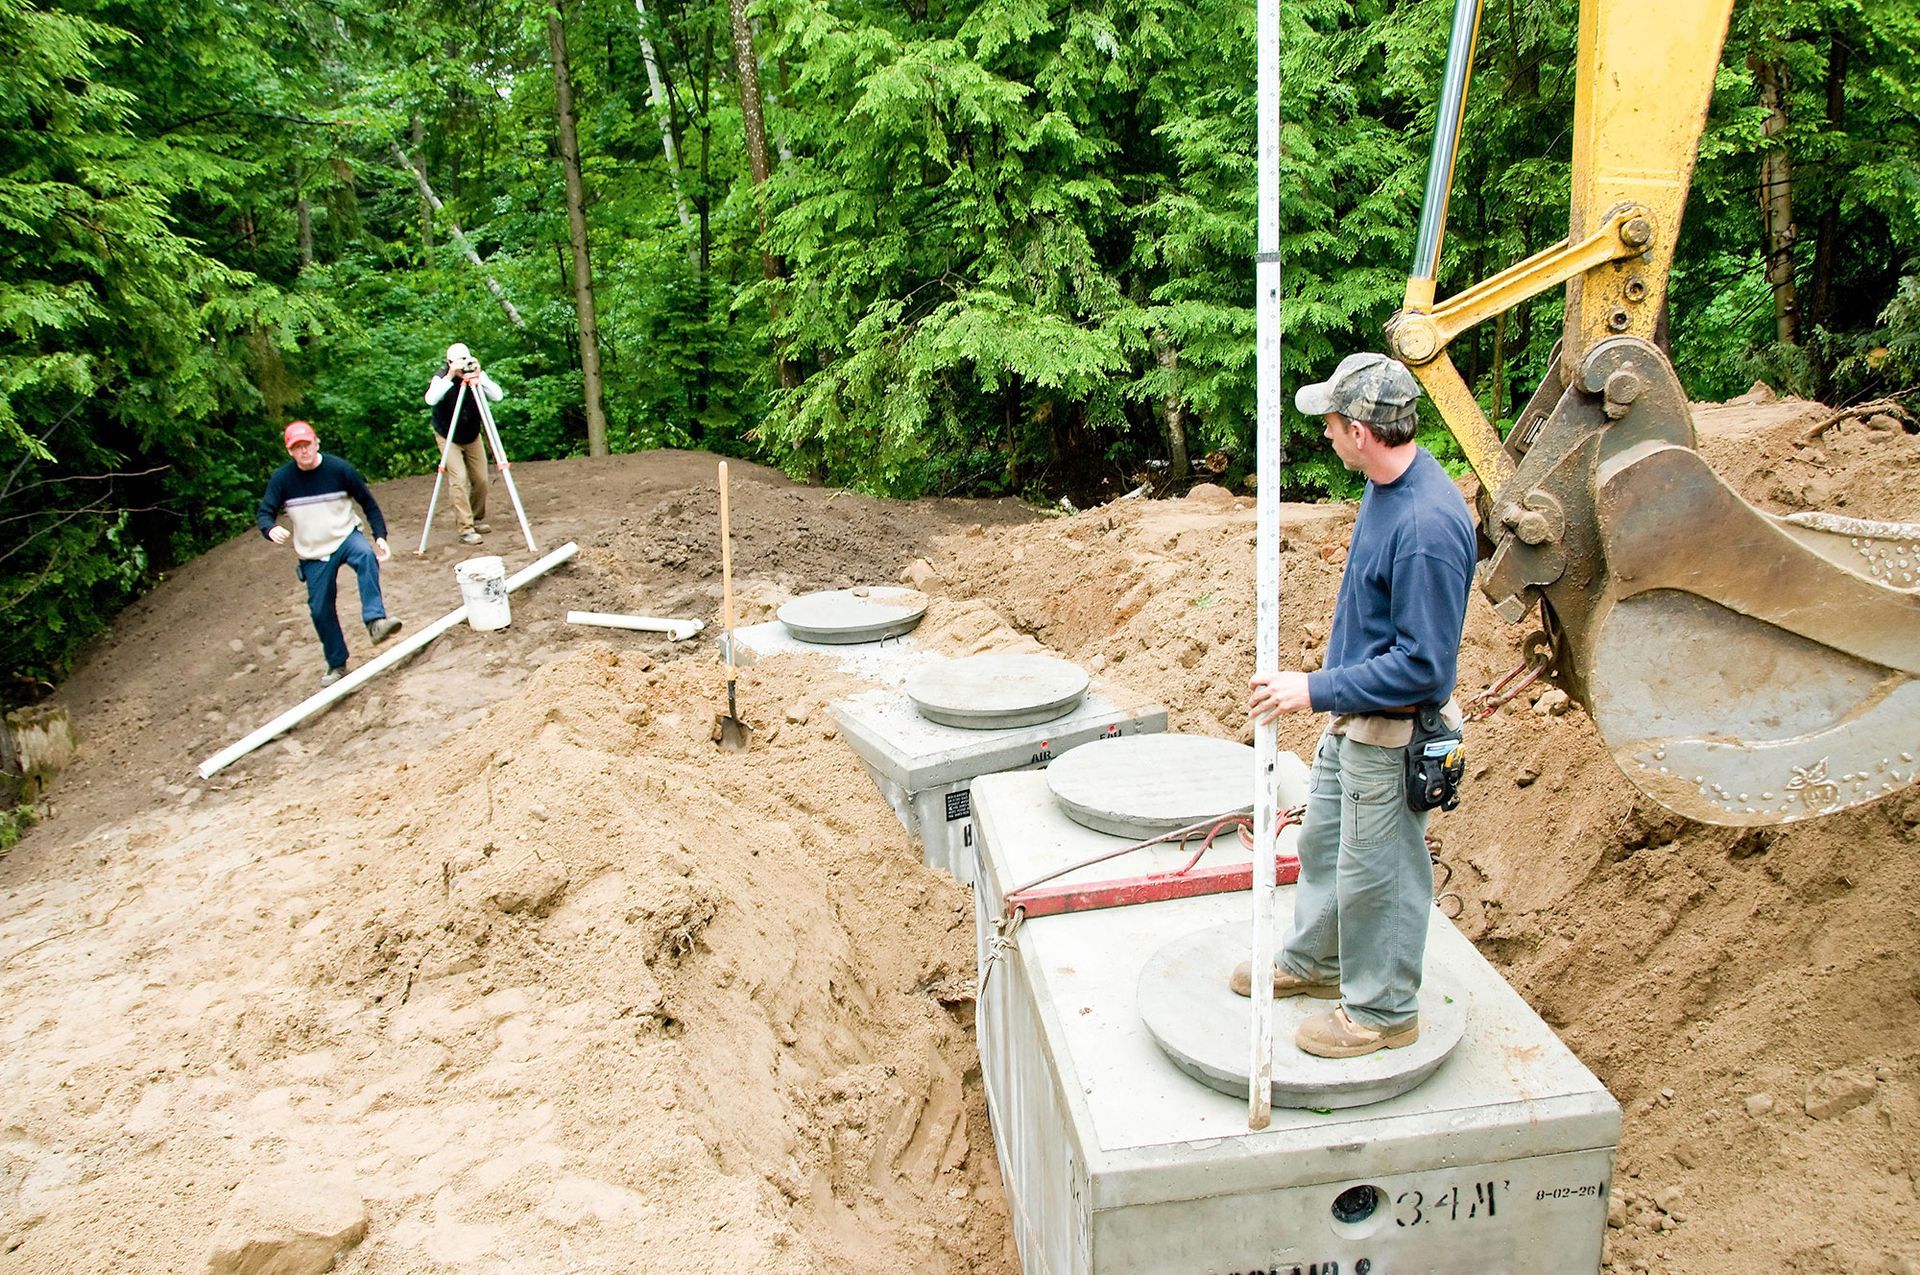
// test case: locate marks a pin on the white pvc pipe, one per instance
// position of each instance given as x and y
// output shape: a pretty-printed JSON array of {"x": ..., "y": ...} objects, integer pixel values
[
  {"x": 366, "y": 672},
  {"x": 678, "y": 630}
]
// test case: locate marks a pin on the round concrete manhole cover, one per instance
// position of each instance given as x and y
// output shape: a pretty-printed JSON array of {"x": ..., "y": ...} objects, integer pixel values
[
  {"x": 1140, "y": 785},
  {"x": 992, "y": 692},
  {"x": 841, "y": 617},
  {"x": 1204, "y": 1028}
]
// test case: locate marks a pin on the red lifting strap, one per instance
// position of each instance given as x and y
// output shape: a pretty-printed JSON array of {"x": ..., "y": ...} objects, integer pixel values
[{"x": 1154, "y": 887}]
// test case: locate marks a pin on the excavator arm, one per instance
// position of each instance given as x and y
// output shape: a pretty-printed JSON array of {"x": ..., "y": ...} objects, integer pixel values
[{"x": 1742, "y": 668}]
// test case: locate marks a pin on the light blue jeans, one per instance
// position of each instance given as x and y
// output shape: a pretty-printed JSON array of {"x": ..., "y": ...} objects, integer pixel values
[{"x": 1366, "y": 884}]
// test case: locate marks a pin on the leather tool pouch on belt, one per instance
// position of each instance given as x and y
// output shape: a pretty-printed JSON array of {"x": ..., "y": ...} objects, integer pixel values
[{"x": 1436, "y": 761}]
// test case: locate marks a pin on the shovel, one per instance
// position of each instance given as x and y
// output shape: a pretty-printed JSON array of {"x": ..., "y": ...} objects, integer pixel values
[{"x": 729, "y": 731}]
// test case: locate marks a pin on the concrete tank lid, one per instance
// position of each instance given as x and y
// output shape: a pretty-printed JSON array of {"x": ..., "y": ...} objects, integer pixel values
[
  {"x": 1139, "y": 785},
  {"x": 1204, "y": 1028},
  {"x": 996, "y": 691},
  {"x": 844, "y": 616}
]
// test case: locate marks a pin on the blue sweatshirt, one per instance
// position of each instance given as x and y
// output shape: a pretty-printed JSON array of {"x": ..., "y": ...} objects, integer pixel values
[
  {"x": 1403, "y": 597},
  {"x": 319, "y": 503}
]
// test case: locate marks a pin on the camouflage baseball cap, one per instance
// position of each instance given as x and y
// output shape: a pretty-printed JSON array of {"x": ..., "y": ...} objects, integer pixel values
[{"x": 1365, "y": 387}]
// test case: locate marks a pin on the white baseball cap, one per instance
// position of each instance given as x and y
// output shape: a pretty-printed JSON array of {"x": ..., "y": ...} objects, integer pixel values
[{"x": 458, "y": 353}]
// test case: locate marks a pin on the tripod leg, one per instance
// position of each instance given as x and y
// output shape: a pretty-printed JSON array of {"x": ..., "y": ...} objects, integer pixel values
[
  {"x": 506, "y": 469},
  {"x": 440, "y": 474}
]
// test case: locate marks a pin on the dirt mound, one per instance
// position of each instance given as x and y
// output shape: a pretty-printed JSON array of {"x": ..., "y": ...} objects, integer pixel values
[{"x": 502, "y": 942}]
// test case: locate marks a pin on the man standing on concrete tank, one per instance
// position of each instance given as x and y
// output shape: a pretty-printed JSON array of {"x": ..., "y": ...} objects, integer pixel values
[
  {"x": 468, "y": 464},
  {"x": 317, "y": 494},
  {"x": 1359, "y": 929}
]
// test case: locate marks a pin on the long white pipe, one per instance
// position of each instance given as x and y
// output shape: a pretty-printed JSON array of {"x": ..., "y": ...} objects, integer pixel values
[
  {"x": 366, "y": 672},
  {"x": 1266, "y": 736},
  {"x": 678, "y": 630}
]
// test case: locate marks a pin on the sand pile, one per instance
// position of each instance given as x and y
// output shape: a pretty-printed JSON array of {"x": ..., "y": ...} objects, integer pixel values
[
  {"x": 1752, "y": 999},
  {"x": 570, "y": 991}
]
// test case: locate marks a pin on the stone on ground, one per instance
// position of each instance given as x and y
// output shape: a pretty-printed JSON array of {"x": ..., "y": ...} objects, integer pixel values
[{"x": 288, "y": 1224}]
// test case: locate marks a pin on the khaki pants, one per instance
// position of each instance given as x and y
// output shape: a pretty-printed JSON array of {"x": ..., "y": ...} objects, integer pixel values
[
  {"x": 467, "y": 482},
  {"x": 1365, "y": 895}
]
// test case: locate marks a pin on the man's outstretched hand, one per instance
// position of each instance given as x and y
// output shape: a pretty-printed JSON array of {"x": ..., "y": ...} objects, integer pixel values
[{"x": 1277, "y": 693}]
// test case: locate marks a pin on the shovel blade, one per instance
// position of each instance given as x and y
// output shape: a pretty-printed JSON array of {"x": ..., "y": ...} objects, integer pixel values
[{"x": 732, "y": 734}]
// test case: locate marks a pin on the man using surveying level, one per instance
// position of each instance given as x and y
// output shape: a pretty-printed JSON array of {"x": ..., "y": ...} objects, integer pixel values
[
  {"x": 318, "y": 493},
  {"x": 1359, "y": 931},
  {"x": 458, "y": 422}
]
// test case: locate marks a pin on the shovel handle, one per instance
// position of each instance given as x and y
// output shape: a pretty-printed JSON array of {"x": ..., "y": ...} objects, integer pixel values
[{"x": 726, "y": 571}]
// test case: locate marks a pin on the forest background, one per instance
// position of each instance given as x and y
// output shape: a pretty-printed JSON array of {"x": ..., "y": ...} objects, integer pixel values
[{"x": 953, "y": 246}]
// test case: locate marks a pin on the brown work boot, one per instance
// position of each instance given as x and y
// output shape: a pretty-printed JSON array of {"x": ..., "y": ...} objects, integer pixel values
[
  {"x": 1334, "y": 1035},
  {"x": 1285, "y": 983}
]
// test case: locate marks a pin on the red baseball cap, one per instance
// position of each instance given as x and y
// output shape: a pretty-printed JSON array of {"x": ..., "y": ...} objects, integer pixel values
[{"x": 300, "y": 432}]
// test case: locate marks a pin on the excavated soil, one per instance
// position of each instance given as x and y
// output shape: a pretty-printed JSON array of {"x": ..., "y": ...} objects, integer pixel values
[{"x": 504, "y": 948}]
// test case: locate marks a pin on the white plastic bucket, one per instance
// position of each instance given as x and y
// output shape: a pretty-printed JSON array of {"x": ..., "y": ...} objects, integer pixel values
[{"x": 483, "y": 587}]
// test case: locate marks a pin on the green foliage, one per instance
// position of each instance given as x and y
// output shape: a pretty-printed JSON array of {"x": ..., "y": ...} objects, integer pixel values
[
  {"x": 1006, "y": 245},
  {"x": 124, "y": 340},
  {"x": 14, "y": 822}
]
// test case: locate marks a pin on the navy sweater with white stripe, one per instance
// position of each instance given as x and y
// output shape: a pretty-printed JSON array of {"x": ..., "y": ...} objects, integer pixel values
[
  {"x": 1403, "y": 598},
  {"x": 319, "y": 503}
]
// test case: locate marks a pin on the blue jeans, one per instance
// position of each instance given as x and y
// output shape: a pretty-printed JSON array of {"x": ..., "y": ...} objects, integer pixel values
[
  {"x": 322, "y": 578},
  {"x": 1366, "y": 883}
]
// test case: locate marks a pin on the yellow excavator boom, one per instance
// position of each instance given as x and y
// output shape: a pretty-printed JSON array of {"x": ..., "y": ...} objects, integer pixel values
[{"x": 1742, "y": 668}]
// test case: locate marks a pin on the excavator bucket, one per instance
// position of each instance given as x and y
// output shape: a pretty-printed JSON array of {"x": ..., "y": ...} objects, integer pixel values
[{"x": 1743, "y": 668}]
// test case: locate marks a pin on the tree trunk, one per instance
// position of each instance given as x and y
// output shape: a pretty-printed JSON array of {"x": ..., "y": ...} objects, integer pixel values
[
  {"x": 303, "y": 220},
  {"x": 747, "y": 75},
  {"x": 459, "y": 236},
  {"x": 1010, "y": 407},
  {"x": 704, "y": 204},
  {"x": 657, "y": 94},
  {"x": 1173, "y": 413},
  {"x": 427, "y": 202},
  {"x": 1776, "y": 200},
  {"x": 1826, "y": 238},
  {"x": 1499, "y": 367},
  {"x": 577, "y": 237},
  {"x": 12, "y": 783}
]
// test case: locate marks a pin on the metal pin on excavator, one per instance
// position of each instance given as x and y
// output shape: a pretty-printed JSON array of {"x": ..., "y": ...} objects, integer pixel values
[{"x": 1742, "y": 668}]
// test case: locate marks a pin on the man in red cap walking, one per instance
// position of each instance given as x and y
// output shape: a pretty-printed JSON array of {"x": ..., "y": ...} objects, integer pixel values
[{"x": 317, "y": 493}]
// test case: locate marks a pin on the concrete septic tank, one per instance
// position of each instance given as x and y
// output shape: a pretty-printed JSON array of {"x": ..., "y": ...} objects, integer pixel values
[
  {"x": 1115, "y": 1160},
  {"x": 925, "y": 769},
  {"x": 887, "y": 662}
]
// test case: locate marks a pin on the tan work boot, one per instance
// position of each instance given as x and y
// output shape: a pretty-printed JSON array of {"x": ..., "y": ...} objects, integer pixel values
[
  {"x": 1285, "y": 983},
  {"x": 1334, "y": 1035}
]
